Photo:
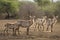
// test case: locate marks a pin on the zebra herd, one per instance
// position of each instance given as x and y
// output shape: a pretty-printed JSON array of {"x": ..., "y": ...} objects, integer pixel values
[
  {"x": 38, "y": 23},
  {"x": 46, "y": 22}
]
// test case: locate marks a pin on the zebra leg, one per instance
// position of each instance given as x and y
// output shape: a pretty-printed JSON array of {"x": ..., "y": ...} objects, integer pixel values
[
  {"x": 38, "y": 27},
  {"x": 18, "y": 31},
  {"x": 27, "y": 30},
  {"x": 47, "y": 28},
  {"x": 43, "y": 27},
  {"x": 52, "y": 28},
  {"x": 35, "y": 27},
  {"x": 7, "y": 31},
  {"x": 4, "y": 31},
  {"x": 13, "y": 31}
]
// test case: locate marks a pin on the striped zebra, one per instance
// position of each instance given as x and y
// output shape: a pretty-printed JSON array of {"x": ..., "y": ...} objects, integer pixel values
[
  {"x": 40, "y": 22},
  {"x": 11, "y": 26},
  {"x": 51, "y": 22},
  {"x": 22, "y": 23},
  {"x": 26, "y": 23}
]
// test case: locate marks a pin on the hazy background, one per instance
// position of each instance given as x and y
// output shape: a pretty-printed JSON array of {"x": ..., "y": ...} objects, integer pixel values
[{"x": 33, "y": 0}]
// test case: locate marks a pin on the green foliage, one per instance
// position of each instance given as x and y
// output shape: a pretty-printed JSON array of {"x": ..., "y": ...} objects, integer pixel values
[
  {"x": 46, "y": 6},
  {"x": 9, "y": 6},
  {"x": 57, "y": 10},
  {"x": 42, "y": 2},
  {"x": 50, "y": 8}
]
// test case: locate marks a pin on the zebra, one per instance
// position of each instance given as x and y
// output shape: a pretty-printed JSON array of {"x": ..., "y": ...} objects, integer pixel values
[
  {"x": 21, "y": 23},
  {"x": 25, "y": 24},
  {"x": 51, "y": 22},
  {"x": 40, "y": 22},
  {"x": 10, "y": 26}
]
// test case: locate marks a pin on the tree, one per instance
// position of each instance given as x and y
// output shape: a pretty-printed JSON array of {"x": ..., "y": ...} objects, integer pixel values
[
  {"x": 57, "y": 10},
  {"x": 9, "y": 6},
  {"x": 28, "y": 9},
  {"x": 42, "y": 2}
]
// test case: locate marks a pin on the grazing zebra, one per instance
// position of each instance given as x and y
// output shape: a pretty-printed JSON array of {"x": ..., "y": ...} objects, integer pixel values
[
  {"x": 51, "y": 22},
  {"x": 41, "y": 22},
  {"x": 26, "y": 23}
]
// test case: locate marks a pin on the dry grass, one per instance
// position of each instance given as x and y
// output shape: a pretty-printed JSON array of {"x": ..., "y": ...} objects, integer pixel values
[{"x": 34, "y": 35}]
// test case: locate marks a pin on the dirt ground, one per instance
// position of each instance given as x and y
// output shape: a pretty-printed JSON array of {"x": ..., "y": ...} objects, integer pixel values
[{"x": 34, "y": 34}]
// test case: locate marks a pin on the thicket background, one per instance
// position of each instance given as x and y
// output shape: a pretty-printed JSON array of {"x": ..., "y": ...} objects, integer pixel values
[{"x": 15, "y": 9}]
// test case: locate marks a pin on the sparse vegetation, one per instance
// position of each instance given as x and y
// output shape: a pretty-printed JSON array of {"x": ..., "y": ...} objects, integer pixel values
[{"x": 15, "y": 9}]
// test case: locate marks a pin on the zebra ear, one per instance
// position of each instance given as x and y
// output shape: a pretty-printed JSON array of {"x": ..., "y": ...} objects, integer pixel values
[{"x": 56, "y": 16}]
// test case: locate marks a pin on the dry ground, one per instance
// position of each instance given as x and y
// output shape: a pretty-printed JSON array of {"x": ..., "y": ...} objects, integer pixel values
[{"x": 33, "y": 35}]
